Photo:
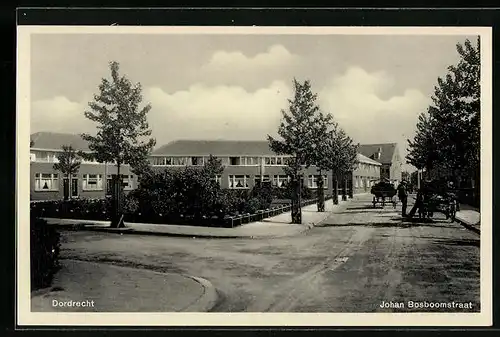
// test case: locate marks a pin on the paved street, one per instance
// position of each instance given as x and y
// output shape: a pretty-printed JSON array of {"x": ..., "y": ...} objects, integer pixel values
[{"x": 357, "y": 258}]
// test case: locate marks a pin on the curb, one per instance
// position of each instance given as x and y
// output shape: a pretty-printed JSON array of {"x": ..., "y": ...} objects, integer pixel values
[
  {"x": 132, "y": 231},
  {"x": 469, "y": 226},
  {"x": 204, "y": 303},
  {"x": 207, "y": 301}
]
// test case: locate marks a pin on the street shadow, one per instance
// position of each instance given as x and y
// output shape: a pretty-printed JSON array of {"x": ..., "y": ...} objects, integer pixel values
[
  {"x": 371, "y": 210},
  {"x": 386, "y": 225},
  {"x": 464, "y": 242},
  {"x": 360, "y": 207}
]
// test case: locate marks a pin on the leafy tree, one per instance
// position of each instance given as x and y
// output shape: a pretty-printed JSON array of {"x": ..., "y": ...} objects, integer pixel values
[
  {"x": 297, "y": 133},
  {"x": 68, "y": 164},
  {"x": 347, "y": 160},
  {"x": 447, "y": 141},
  {"x": 322, "y": 154},
  {"x": 122, "y": 130}
]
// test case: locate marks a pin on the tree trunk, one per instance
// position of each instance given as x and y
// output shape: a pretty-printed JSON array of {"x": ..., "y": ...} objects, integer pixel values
[
  {"x": 335, "y": 187},
  {"x": 320, "y": 193},
  {"x": 117, "y": 200},
  {"x": 296, "y": 200},
  {"x": 344, "y": 187},
  {"x": 66, "y": 187},
  {"x": 350, "y": 186}
]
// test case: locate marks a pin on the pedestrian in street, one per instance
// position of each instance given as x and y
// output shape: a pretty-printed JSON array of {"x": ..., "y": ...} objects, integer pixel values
[
  {"x": 419, "y": 201},
  {"x": 403, "y": 196}
]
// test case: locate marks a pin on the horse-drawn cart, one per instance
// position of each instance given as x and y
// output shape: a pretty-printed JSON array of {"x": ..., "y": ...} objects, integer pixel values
[
  {"x": 445, "y": 203},
  {"x": 384, "y": 192}
]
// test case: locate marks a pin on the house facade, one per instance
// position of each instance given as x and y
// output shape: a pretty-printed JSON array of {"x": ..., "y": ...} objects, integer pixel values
[
  {"x": 245, "y": 162},
  {"x": 366, "y": 174},
  {"x": 93, "y": 179},
  {"x": 388, "y": 156}
]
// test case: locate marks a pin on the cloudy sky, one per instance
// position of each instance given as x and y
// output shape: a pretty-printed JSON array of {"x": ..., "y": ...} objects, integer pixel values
[{"x": 234, "y": 86}]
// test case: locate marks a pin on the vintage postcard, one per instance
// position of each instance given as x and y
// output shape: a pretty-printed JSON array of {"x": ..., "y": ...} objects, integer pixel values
[{"x": 254, "y": 176}]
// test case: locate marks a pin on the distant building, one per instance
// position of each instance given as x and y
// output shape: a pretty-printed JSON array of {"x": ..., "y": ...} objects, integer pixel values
[
  {"x": 388, "y": 155},
  {"x": 244, "y": 162},
  {"x": 366, "y": 174},
  {"x": 248, "y": 161}
]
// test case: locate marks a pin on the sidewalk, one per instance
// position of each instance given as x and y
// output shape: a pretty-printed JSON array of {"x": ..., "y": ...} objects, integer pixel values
[
  {"x": 277, "y": 226},
  {"x": 107, "y": 288},
  {"x": 469, "y": 218}
]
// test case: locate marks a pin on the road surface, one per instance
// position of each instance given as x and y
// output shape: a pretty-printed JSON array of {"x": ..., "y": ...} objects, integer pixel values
[{"x": 358, "y": 259}]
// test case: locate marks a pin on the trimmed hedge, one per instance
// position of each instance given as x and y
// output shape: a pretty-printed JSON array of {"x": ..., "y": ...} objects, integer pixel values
[
  {"x": 86, "y": 209},
  {"x": 44, "y": 253},
  {"x": 253, "y": 209}
]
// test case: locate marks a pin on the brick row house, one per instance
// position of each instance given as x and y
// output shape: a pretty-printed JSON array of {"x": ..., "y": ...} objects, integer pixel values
[
  {"x": 93, "y": 180},
  {"x": 244, "y": 163}
]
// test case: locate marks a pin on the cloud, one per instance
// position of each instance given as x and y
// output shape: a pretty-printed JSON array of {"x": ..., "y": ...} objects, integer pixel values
[
  {"x": 275, "y": 56},
  {"x": 59, "y": 114},
  {"x": 355, "y": 100},
  {"x": 225, "y": 112},
  {"x": 234, "y": 68}
]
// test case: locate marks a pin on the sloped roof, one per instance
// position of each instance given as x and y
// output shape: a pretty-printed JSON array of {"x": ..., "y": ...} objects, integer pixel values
[
  {"x": 215, "y": 147},
  {"x": 365, "y": 159},
  {"x": 55, "y": 141},
  {"x": 370, "y": 150}
]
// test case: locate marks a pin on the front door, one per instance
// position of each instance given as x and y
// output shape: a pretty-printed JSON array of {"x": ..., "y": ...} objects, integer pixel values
[{"x": 74, "y": 187}]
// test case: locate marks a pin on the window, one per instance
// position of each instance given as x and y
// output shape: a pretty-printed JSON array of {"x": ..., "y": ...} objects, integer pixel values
[
  {"x": 92, "y": 182},
  {"x": 32, "y": 156},
  {"x": 43, "y": 156},
  {"x": 249, "y": 161},
  {"x": 356, "y": 182},
  {"x": 158, "y": 161},
  {"x": 93, "y": 161},
  {"x": 238, "y": 181},
  {"x": 280, "y": 180},
  {"x": 46, "y": 156},
  {"x": 218, "y": 179},
  {"x": 46, "y": 182},
  {"x": 257, "y": 178},
  {"x": 276, "y": 161},
  {"x": 179, "y": 161},
  {"x": 197, "y": 161},
  {"x": 312, "y": 181},
  {"x": 234, "y": 160},
  {"x": 128, "y": 182}
]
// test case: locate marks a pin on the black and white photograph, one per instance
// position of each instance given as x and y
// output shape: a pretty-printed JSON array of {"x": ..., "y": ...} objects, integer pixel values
[{"x": 254, "y": 175}]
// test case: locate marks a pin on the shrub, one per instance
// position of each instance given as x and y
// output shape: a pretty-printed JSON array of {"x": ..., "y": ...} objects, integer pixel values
[
  {"x": 44, "y": 253},
  {"x": 252, "y": 205}
]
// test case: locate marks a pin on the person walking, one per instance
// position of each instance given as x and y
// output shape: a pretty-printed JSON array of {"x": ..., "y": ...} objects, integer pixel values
[{"x": 403, "y": 196}]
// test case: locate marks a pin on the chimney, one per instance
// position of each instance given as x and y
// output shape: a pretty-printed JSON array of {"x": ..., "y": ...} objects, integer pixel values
[{"x": 379, "y": 153}]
